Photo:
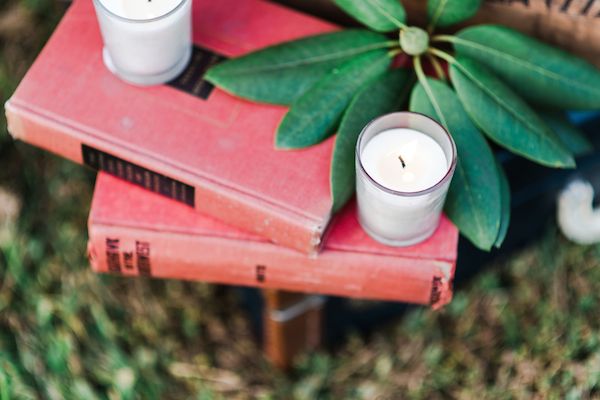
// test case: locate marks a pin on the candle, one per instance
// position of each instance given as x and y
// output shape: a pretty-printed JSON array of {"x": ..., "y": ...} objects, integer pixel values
[
  {"x": 146, "y": 42},
  {"x": 405, "y": 162}
]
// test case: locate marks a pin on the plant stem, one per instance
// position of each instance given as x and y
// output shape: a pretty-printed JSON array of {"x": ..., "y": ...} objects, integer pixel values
[
  {"x": 430, "y": 29},
  {"x": 436, "y": 66},
  {"x": 419, "y": 69},
  {"x": 443, "y": 38},
  {"x": 394, "y": 52},
  {"x": 436, "y": 16},
  {"x": 442, "y": 54},
  {"x": 391, "y": 43},
  {"x": 423, "y": 81}
]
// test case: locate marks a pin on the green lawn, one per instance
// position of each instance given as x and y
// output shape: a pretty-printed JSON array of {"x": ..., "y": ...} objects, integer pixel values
[{"x": 527, "y": 327}]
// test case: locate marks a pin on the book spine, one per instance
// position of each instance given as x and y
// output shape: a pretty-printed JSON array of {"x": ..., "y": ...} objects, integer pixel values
[
  {"x": 134, "y": 251},
  {"x": 210, "y": 198}
]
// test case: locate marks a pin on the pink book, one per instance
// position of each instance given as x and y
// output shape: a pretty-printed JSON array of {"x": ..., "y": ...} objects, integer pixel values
[
  {"x": 185, "y": 140},
  {"x": 135, "y": 232}
]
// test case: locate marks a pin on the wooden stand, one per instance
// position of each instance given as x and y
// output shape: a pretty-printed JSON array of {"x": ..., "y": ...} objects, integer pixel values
[{"x": 292, "y": 323}]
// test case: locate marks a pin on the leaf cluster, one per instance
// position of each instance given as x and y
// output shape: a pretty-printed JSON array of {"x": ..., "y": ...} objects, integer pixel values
[{"x": 493, "y": 84}]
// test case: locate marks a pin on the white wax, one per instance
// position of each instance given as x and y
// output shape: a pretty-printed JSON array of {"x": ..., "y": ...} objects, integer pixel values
[
  {"x": 404, "y": 160},
  {"x": 140, "y": 9},
  {"x": 407, "y": 161},
  {"x": 145, "y": 42}
]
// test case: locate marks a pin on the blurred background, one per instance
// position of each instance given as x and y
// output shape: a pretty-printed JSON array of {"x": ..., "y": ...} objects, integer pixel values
[{"x": 525, "y": 325}]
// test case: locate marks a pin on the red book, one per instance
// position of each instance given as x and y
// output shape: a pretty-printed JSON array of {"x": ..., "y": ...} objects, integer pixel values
[
  {"x": 135, "y": 232},
  {"x": 186, "y": 140}
]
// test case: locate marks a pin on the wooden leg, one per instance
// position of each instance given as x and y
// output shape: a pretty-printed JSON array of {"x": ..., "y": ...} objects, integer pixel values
[{"x": 292, "y": 323}]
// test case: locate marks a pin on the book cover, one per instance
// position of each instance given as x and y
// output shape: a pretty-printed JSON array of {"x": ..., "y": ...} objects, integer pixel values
[
  {"x": 135, "y": 232},
  {"x": 186, "y": 140}
]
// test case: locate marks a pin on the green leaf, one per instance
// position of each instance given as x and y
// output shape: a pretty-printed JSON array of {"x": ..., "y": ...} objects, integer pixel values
[
  {"x": 314, "y": 116},
  {"x": 279, "y": 74},
  {"x": 538, "y": 72},
  {"x": 379, "y": 15},
  {"x": 505, "y": 117},
  {"x": 572, "y": 138},
  {"x": 473, "y": 201},
  {"x": 505, "y": 209},
  {"x": 449, "y": 12},
  {"x": 380, "y": 96}
]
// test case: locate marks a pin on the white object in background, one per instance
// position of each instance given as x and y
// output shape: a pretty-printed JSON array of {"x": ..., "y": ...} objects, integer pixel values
[
  {"x": 10, "y": 206},
  {"x": 146, "y": 42},
  {"x": 404, "y": 165},
  {"x": 577, "y": 219}
]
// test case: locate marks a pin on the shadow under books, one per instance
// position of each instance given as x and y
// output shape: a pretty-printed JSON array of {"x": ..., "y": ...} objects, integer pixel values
[{"x": 534, "y": 190}]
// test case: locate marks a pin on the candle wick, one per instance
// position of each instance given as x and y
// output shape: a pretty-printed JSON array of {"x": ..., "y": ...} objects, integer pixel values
[{"x": 402, "y": 161}]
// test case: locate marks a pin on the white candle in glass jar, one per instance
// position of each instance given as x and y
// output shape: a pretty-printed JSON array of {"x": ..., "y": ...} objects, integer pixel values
[
  {"x": 146, "y": 42},
  {"x": 404, "y": 162}
]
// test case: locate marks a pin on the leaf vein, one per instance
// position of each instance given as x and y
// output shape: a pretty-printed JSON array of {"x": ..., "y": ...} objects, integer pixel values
[
  {"x": 306, "y": 119},
  {"x": 545, "y": 138},
  {"x": 516, "y": 60},
  {"x": 471, "y": 200},
  {"x": 384, "y": 12},
  {"x": 312, "y": 60}
]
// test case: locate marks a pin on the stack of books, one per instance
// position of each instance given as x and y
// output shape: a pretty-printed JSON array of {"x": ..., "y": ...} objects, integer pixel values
[{"x": 191, "y": 186}]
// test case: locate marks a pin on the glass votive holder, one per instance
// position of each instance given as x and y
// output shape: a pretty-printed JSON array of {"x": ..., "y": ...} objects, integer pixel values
[
  {"x": 145, "y": 42},
  {"x": 404, "y": 165}
]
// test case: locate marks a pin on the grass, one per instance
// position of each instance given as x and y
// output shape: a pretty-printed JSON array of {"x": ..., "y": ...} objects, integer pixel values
[{"x": 525, "y": 328}]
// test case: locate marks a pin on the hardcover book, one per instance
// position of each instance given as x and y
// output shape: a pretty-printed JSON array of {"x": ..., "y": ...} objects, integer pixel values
[
  {"x": 135, "y": 232},
  {"x": 185, "y": 140}
]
